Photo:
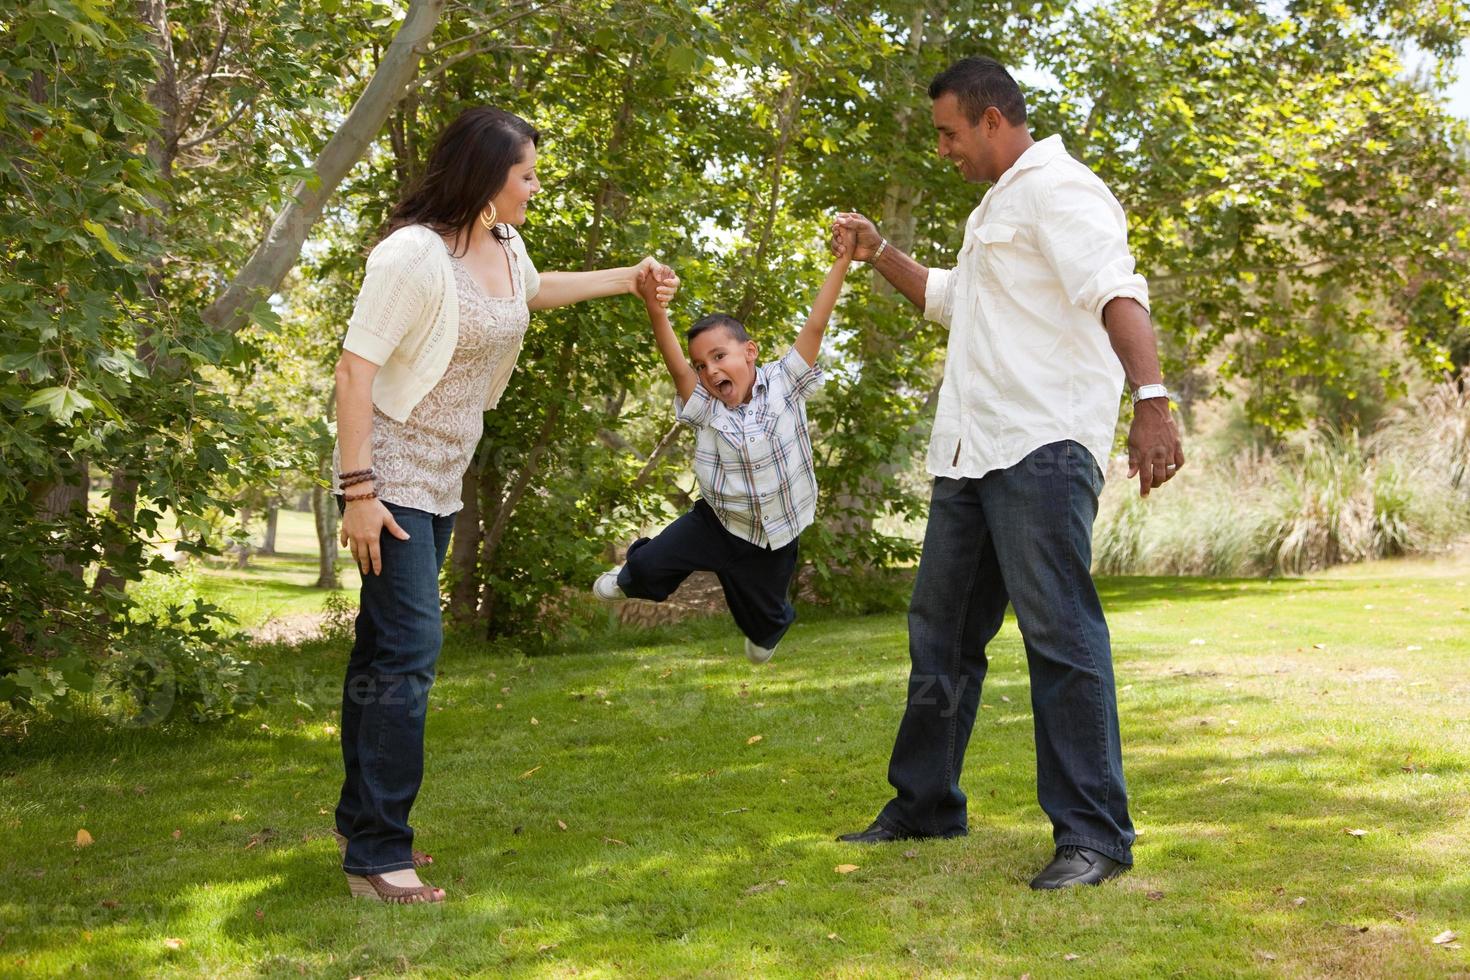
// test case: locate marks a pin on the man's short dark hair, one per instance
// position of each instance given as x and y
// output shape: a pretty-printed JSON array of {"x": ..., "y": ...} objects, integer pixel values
[
  {"x": 717, "y": 321},
  {"x": 979, "y": 83}
]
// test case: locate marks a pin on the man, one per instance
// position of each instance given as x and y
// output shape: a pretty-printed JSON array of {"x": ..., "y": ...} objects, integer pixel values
[{"x": 1046, "y": 316}]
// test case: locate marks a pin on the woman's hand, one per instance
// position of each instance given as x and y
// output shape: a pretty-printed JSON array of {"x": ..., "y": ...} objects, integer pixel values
[
  {"x": 362, "y": 525},
  {"x": 665, "y": 280}
]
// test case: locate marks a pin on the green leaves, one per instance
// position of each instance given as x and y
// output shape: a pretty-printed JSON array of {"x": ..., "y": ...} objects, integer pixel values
[
  {"x": 100, "y": 233},
  {"x": 60, "y": 403}
]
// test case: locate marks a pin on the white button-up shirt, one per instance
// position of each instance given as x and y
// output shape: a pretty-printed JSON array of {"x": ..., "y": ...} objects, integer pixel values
[
  {"x": 1029, "y": 362},
  {"x": 754, "y": 464}
]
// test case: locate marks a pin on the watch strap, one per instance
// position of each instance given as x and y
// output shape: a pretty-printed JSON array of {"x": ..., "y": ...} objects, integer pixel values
[{"x": 1150, "y": 391}]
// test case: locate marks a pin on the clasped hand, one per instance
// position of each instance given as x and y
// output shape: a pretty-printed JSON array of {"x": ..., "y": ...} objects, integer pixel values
[{"x": 654, "y": 282}]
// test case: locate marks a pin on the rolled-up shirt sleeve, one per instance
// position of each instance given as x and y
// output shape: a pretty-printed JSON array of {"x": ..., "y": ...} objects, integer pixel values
[
  {"x": 939, "y": 295},
  {"x": 803, "y": 378},
  {"x": 696, "y": 412},
  {"x": 1083, "y": 234}
]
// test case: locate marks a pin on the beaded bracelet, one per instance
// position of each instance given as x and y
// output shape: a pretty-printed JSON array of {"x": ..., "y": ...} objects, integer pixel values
[
  {"x": 350, "y": 497},
  {"x": 346, "y": 476},
  {"x": 352, "y": 481}
]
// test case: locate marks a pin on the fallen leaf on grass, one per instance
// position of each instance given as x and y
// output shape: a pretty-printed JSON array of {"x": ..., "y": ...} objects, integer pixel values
[
  {"x": 1070, "y": 957},
  {"x": 1446, "y": 937},
  {"x": 1356, "y": 833},
  {"x": 845, "y": 869},
  {"x": 836, "y": 938},
  {"x": 546, "y": 947},
  {"x": 1299, "y": 901},
  {"x": 1154, "y": 896},
  {"x": 562, "y": 824},
  {"x": 614, "y": 840},
  {"x": 84, "y": 839},
  {"x": 177, "y": 834},
  {"x": 259, "y": 915},
  {"x": 911, "y": 853},
  {"x": 173, "y": 943},
  {"x": 109, "y": 903},
  {"x": 534, "y": 721},
  {"x": 528, "y": 772},
  {"x": 1265, "y": 956},
  {"x": 753, "y": 739}
]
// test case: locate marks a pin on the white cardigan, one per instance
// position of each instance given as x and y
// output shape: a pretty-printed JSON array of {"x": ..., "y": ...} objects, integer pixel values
[{"x": 406, "y": 319}]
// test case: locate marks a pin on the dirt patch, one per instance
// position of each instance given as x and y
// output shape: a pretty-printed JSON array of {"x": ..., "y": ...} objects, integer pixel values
[{"x": 290, "y": 630}]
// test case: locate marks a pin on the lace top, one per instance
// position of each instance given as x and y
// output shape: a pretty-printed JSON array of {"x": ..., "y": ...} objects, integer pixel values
[{"x": 421, "y": 461}]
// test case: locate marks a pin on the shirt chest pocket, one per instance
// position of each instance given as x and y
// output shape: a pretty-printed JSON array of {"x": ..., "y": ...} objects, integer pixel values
[
  {"x": 994, "y": 252},
  {"x": 781, "y": 423}
]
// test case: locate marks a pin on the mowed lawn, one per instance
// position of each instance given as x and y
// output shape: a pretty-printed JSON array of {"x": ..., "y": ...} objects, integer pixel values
[{"x": 1298, "y": 754}]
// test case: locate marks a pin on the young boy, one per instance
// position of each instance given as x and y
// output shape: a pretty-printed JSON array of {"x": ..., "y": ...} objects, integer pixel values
[{"x": 753, "y": 462}]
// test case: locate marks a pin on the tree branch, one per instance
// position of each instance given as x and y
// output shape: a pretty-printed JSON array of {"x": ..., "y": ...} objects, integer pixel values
[{"x": 282, "y": 245}]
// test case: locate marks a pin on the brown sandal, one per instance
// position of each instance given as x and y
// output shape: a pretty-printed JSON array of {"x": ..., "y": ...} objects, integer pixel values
[
  {"x": 420, "y": 859},
  {"x": 374, "y": 887}
]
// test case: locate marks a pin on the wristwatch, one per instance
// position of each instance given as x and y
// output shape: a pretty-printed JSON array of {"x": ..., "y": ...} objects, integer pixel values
[{"x": 1150, "y": 391}]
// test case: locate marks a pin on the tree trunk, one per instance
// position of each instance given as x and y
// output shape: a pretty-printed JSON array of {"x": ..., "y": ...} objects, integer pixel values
[
  {"x": 272, "y": 520},
  {"x": 464, "y": 594},
  {"x": 282, "y": 245},
  {"x": 163, "y": 94},
  {"x": 242, "y": 552},
  {"x": 854, "y": 510},
  {"x": 324, "y": 509},
  {"x": 66, "y": 496},
  {"x": 789, "y": 114}
]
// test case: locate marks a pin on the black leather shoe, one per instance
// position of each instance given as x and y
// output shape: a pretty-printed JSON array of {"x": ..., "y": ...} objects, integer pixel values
[
  {"x": 875, "y": 834},
  {"x": 1075, "y": 865}
]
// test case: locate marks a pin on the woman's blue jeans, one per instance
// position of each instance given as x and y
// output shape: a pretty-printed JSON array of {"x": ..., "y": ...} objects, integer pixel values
[
  {"x": 1021, "y": 535},
  {"x": 386, "y": 694}
]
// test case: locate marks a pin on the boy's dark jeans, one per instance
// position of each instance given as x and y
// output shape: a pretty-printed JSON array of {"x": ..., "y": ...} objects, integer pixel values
[
  {"x": 1022, "y": 534},
  {"x": 756, "y": 580},
  {"x": 386, "y": 694}
]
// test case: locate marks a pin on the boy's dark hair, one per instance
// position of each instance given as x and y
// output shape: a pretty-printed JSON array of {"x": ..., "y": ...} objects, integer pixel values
[
  {"x": 714, "y": 321},
  {"x": 979, "y": 83}
]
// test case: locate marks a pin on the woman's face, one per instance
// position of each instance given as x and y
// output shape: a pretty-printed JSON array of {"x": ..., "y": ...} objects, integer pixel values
[{"x": 520, "y": 186}]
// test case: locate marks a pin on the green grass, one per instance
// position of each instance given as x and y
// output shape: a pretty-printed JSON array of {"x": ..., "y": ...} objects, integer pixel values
[
  {"x": 1262, "y": 720},
  {"x": 272, "y": 586}
]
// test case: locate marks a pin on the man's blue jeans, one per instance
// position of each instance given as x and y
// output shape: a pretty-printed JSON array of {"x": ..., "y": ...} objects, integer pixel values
[
  {"x": 1023, "y": 535},
  {"x": 386, "y": 694}
]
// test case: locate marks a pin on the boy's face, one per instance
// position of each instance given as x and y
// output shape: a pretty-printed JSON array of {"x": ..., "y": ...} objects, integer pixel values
[{"x": 726, "y": 366}]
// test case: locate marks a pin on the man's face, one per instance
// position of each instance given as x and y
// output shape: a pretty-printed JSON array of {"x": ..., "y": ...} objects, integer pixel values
[
  {"x": 968, "y": 145},
  {"x": 726, "y": 366}
]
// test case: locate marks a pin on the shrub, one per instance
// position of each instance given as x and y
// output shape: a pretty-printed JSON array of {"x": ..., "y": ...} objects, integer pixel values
[{"x": 1332, "y": 497}]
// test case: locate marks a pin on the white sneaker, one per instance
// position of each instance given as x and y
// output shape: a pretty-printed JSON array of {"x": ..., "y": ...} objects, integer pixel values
[
  {"x": 757, "y": 655},
  {"x": 606, "y": 587}
]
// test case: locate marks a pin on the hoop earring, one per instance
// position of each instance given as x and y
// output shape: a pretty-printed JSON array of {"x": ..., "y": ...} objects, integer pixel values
[{"x": 488, "y": 219}]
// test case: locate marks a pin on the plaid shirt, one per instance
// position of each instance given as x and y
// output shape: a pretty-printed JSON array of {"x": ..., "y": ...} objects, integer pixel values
[{"x": 754, "y": 464}]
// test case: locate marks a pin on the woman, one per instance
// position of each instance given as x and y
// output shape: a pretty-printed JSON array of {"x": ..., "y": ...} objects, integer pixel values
[{"x": 430, "y": 346}]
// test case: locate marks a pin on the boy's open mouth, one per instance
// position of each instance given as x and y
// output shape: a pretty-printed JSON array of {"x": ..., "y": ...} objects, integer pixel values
[{"x": 725, "y": 387}]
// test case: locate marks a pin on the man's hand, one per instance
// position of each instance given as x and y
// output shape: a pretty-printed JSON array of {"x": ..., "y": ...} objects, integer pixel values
[
  {"x": 663, "y": 280},
  {"x": 1155, "y": 453},
  {"x": 852, "y": 231}
]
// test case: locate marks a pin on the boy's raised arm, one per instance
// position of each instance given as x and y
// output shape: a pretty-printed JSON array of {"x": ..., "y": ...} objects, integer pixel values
[
  {"x": 809, "y": 341},
  {"x": 684, "y": 377}
]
